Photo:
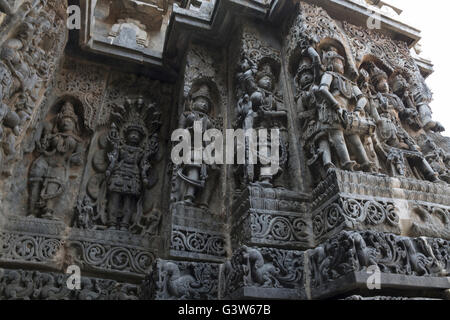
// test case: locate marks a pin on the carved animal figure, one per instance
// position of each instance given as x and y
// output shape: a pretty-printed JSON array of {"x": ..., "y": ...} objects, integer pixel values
[
  {"x": 416, "y": 260},
  {"x": 363, "y": 253},
  {"x": 89, "y": 289},
  {"x": 17, "y": 288},
  {"x": 180, "y": 286},
  {"x": 264, "y": 274},
  {"x": 51, "y": 289}
]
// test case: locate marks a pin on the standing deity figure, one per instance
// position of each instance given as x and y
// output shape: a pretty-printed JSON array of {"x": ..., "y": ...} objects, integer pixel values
[
  {"x": 308, "y": 102},
  {"x": 133, "y": 144},
  {"x": 385, "y": 109},
  {"x": 196, "y": 175},
  {"x": 344, "y": 105},
  {"x": 59, "y": 149},
  {"x": 261, "y": 108}
]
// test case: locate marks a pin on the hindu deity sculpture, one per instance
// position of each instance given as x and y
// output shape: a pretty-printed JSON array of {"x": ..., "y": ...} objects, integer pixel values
[
  {"x": 342, "y": 113},
  {"x": 133, "y": 142},
  {"x": 422, "y": 102},
  {"x": 59, "y": 148},
  {"x": 260, "y": 107},
  {"x": 385, "y": 109},
  {"x": 309, "y": 103},
  {"x": 194, "y": 175}
]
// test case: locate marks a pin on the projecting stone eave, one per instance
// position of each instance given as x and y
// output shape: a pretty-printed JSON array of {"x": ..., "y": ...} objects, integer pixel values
[
  {"x": 357, "y": 14},
  {"x": 214, "y": 27}
]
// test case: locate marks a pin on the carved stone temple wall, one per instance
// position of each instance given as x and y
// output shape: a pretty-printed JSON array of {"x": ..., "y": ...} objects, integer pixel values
[{"x": 87, "y": 177}]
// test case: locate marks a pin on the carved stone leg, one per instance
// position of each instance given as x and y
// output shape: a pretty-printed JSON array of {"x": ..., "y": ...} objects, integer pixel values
[
  {"x": 360, "y": 152},
  {"x": 113, "y": 209},
  {"x": 194, "y": 175},
  {"x": 338, "y": 142},
  {"x": 324, "y": 149},
  {"x": 428, "y": 171},
  {"x": 35, "y": 191},
  {"x": 128, "y": 209}
]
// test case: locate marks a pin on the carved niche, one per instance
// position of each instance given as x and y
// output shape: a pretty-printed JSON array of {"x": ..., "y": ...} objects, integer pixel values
[
  {"x": 202, "y": 103},
  {"x": 197, "y": 205},
  {"x": 124, "y": 166},
  {"x": 57, "y": 166},
  {"x": 260, "y": 105}
]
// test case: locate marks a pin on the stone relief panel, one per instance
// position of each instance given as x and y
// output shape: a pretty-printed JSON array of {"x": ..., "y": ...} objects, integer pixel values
[
  {"x": 263, "y": 270},
  {"x": 272, "y": 217},
  {"x": 197, "y": 202},
  {"x": 260, "y": 104},
  {"x": 95, "y": 185},
  {"x": 356, "y": 251},
  {"x": 361, "y": 100},
  {"x": 56, "y": 171},
  {"x": 129, "y": 144},
  {"x": 35, "y": 285},
  {"x": 96, "y": 129},
  {"x": 173, "y": 280},
  {"x": 26, "y": 71}
]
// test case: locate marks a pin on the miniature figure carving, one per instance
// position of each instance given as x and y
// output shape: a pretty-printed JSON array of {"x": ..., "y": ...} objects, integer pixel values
[{"x": 409, "y": 114}]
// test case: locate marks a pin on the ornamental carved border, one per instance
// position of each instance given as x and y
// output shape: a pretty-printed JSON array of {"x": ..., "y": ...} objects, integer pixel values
[
  {"x": 356, "y": 251},
  {"x": 110, "y": 252},
  {"x": 351, "y": 213},
  {"x": 35, "y": 285},
  {"x": 263, "y": 268},
  {"x": 173, "y": 280}
]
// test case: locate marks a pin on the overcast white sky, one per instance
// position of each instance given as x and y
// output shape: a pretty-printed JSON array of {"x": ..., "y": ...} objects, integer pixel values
[{"x": 432, "y": 17}]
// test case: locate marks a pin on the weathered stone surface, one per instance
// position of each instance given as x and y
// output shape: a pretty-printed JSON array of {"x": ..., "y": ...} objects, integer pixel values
[
  {"x": 182, "y": 281},
  {"x": 263, "y": 273},
  {"x": 89, "y": 170},
  {"x": 35, "y": 285}
]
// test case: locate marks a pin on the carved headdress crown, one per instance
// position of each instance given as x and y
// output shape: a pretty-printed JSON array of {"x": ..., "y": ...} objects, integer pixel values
[
  {"x": 136, "y": 115},
  {"x": 330, "y": 54},
  {"x": 204, "y": 92},
  {"x": 266, "y": 70},
  {"x": 67, "y": 111}
]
